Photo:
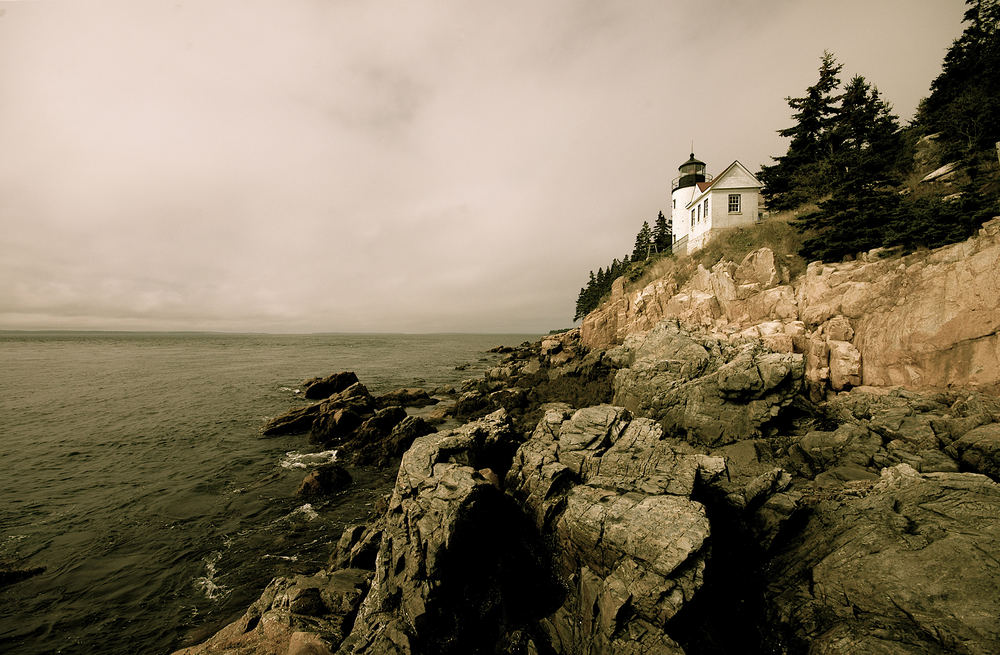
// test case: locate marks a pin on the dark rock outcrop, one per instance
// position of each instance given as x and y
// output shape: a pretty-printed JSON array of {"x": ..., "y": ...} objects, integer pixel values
[
  {"x": 907, "y": 564},
  {"x": 324, "y": 480},
  {"x": 320, "y": 388},
  {"x": 400, "y": 438},
  {"x": 354, "y": 422},
  {"x": 303, "y": 615},
  {"x": 450, "y": 574},
  {"x": 11, "y": 573},
  {"x": 294, "y": 421},
  {"x": 406, "y": 397}
]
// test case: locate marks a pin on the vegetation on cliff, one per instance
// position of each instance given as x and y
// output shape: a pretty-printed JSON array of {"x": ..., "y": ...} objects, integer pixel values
[
  {"x": 848, "y": 152},
  {"x": 650, "y": 245}
]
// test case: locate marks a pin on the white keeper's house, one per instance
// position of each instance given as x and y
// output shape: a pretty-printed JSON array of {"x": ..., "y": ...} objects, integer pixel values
[{"x": 702, "y": 205}]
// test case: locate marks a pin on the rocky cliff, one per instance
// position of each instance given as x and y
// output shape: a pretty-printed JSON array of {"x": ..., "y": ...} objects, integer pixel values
[
  {"x": 929, "y": 319},
  {"x": 673, "y": 494}
]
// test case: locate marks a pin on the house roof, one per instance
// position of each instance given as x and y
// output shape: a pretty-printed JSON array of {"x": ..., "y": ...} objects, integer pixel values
[{"x": 704, "y": 187}]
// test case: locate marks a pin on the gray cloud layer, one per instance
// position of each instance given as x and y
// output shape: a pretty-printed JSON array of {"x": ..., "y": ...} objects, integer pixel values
[{"x": 319, "y": 165}]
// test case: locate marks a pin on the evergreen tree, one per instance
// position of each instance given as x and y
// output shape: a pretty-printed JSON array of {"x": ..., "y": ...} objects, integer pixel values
[
  {"x": 662, "y": 234},
  {"x": 801, "y": 173},
  {"x": 849, "y": 222},
  {"x": 964, "y": 104},
  {"x": 643, "y": 243},
  {"x": 864, "y": 136},
  {"x": 865, "y": 145},
  {"x": 581, "y": 303}
]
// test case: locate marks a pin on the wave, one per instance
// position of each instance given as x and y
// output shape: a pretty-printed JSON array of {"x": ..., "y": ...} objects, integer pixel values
[
  {"x": 307, "y": 511},
  {"x": 296, "y": 460},
  {"x": 207, "y": 583}
]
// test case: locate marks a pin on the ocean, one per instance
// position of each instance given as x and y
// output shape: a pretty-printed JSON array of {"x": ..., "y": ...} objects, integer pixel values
[{"x": 132, "y": 469}]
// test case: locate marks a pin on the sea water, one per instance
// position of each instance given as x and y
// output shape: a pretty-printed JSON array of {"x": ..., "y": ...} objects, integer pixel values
[{"x": 132, "y": 469}]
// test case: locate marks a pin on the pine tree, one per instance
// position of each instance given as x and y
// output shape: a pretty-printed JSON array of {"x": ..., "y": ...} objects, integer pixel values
[
  {"x": 964, "y": 104},
  {"x": 864, "y": 135},
  {"x": 581, "y": 303},
  {"x": 643, "y": 243},
  {"x": 801, "y": 173},
  {"x": 662, "y": 234}
]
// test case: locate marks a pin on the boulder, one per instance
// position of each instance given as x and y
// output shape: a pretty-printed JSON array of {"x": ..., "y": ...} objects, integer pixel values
[
  {"x": 334, "y": 427},
  {"x": 406, "y": 397},
  {"x": 979, "y": 450},
  {"x": 381, "y": 447},
  {"x": 341, "y": 414},
  {"x": 324, "y": 480},
  {"x": 320, "y": 388},
  {"x": 294, "y": 421},
  {"x": 758, "y": 267},
  {"x": 845, "y": 365},
  {"x": 378, "y": 426}
]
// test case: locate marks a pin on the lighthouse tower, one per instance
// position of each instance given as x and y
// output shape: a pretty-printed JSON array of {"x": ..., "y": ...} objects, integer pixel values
[{"x": 682, "y": 190}]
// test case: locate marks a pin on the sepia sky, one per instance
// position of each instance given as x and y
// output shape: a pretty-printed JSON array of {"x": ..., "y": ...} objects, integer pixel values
[{"x": 394, "y": 166}]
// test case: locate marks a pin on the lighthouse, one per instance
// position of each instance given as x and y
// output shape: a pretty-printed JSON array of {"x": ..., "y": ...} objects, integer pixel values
[{"x": 682, "y": 189}]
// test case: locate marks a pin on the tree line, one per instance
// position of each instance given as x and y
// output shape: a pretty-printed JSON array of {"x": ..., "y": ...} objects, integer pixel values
[{"x": 650, "y": 242}]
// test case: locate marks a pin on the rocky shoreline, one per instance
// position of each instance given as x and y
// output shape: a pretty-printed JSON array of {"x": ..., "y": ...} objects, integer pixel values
[{"x": 683, "y": 492}]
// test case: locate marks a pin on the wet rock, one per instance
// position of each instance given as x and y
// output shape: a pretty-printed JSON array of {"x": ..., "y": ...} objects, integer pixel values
[
  {"x": 320, "y": 388},
  {"x": 334, "y": 427},
  {"x": 325, "y": 480},
  {"x": 303, "y": 614},
  {"x": 379, "y": 425},
  {"x": 380, "y": 446},
  {"x": 406, "y": 397},
  {"x": 11, "y": 573},
  {"x": 341, "y": 414},
  {"x": 404, "y": 434},
  {"x": 294, "y": 421}
]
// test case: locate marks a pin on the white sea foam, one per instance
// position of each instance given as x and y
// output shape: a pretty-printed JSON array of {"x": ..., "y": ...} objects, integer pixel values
[
  {"x": 287, "y": 558},
  {"x": 296, "y": 460},
  {"x": 290, "y": 389},
  {"x": 207, "y": 584},
  {"x": 307, "y": 511}
]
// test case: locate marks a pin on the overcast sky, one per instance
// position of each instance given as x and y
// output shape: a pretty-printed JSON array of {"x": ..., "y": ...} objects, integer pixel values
[{"x": 411, "y": 166}]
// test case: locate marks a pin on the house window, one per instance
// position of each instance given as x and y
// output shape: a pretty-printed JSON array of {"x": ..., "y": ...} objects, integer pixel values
[
  {"x": 699, "y": 213},
  {"x": 692, "y": 219},
  {"x": 675, "y": 203},
  {"x": 734, "y": 203},
  {"x": 706, "y": 208}
]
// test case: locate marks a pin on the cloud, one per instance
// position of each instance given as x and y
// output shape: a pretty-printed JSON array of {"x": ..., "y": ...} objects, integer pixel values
[{"x": 316, "y": 165}]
